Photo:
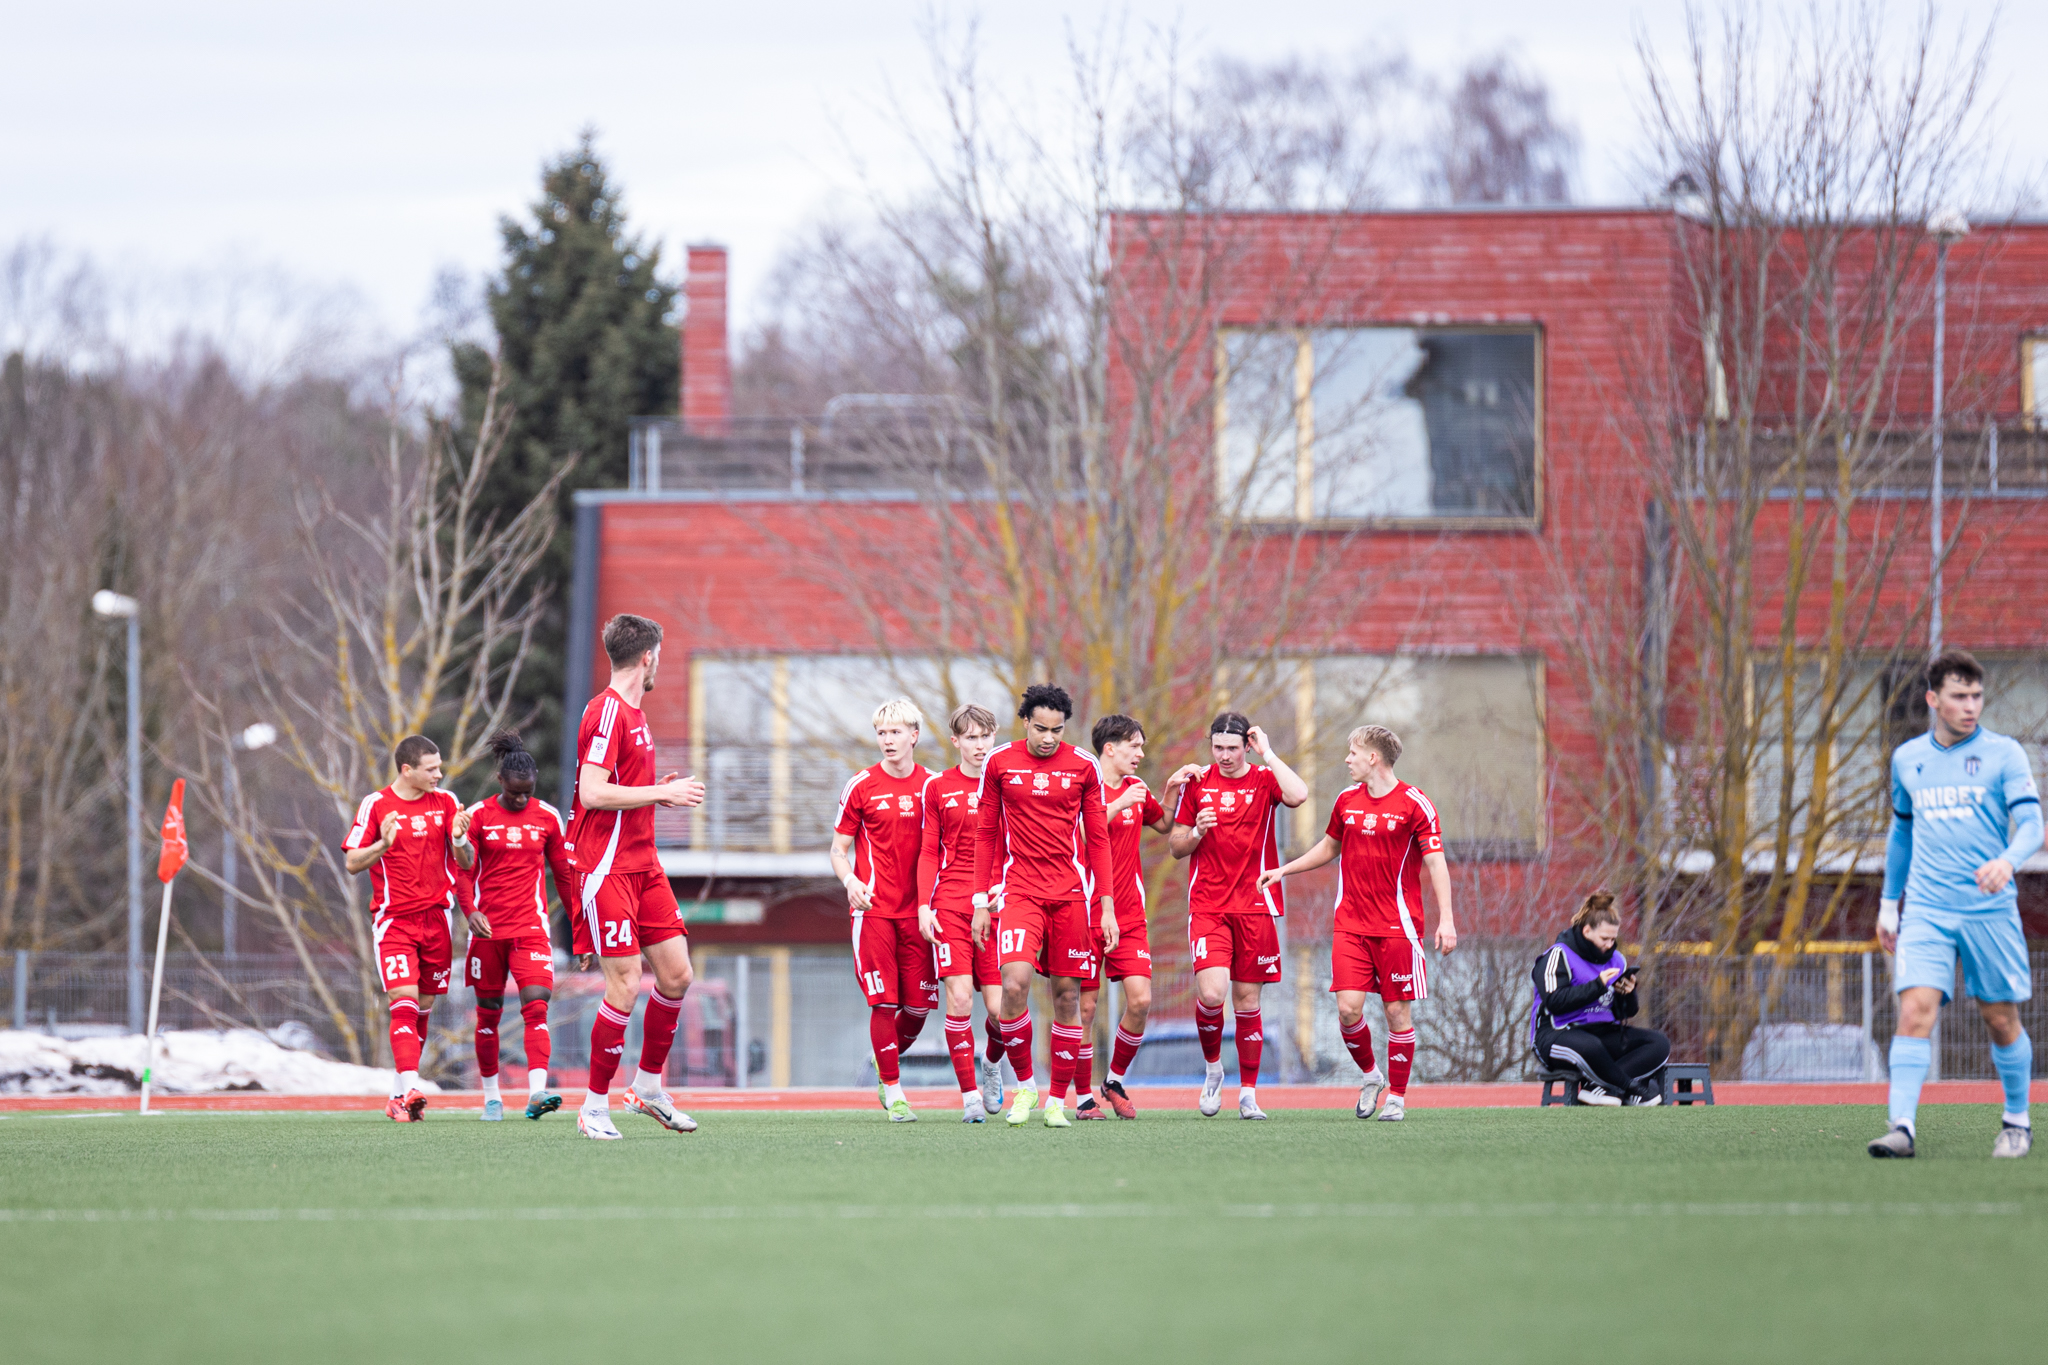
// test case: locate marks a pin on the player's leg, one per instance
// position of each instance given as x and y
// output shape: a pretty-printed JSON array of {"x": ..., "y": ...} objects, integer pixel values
[
  {"x": 1403, "y": 977},
  {"x": 1400, "y": 1048},
  {"x": 608, "y": 1035},
  {"x": 1065, "y": 1048},
  {"x": 1639, "y": 1054},
  {"x": 959, "y": 993},
  {"x": 1084, "y": 1059},
  {"x": 532, "y": 969},
  {"x": 669, "y": 957},
  {"x": 1130, "y": 1036},
  {"x": 1998, "y": 976},
  {"x": 1022, "y": 930},
  {"x": 917, "y": 975},
  {"x": 877, "y": 963},
  {"x": 988, "y": 979},
  {"x": 1209, "y": 948},
  {"x": 1251, "y": 1044},
  {"x": 485, "y": 974},
  {"x": 1352, "y": 978},
  {"x": 1924, "y": 969}
]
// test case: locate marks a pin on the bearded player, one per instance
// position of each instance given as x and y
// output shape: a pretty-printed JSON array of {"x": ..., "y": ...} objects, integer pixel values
[
  {"x": 1131, "y": 809},
  {"x": 519, "y": 841},
  {"x": 1387, "y": 834},
  {"x": 420, "y": 847},
  {"x": 875, "y": 845},
  {"x": 627, "y": 908},
  {"x": 1227, "y": 824},
  {"x": 948, "y": 908},
  {"x": 1042, "y": 853}
]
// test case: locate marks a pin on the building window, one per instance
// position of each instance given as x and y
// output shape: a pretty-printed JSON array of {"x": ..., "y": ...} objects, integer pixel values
[
  {"x": 776, "y": 737},
  {"x": 1471, "y": 729},
  {"x": 2034, "y": 380},
  {"x": 1379, "y": 423}
]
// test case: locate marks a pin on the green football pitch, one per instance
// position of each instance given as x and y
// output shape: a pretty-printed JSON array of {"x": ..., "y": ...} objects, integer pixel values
[{"x": 1732, "y": 1233}]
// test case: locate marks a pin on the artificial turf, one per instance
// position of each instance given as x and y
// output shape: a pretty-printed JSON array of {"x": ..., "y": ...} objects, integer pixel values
[{"x": 1743, "y": 1233}]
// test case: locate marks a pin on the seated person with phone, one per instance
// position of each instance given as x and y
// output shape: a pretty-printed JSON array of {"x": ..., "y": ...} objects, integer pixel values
[{"x": 1584, "y": 990}]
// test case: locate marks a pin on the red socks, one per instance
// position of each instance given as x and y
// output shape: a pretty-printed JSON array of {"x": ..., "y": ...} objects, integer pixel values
[
  {"x": 486, "y": 1041},
  {"x": 1358, "y": 1038},
  {"x": 909, "y": 1023},
  {"x": 1017, "y": 1043},
  {"x": 1084, "y": 1068},
  {"x": 1125, "y": 1052},
  {"x": 1209, "y": 1028},
  {"x": 539, "y": 1042},
  {"x": 607, "y": 1045},
  {"x": 405, "y": 1035},
  {"x": 1066, "y": 1045},
  {"x": 1400, "y": 1060},
  {"x": 882, "y": 1038},
  {"x": 1251, "y": 1044},
  {"x": 995, "y": 1049},
  {"x": 960, "y": 1047},
  {"x": 658, "y": 1031}
]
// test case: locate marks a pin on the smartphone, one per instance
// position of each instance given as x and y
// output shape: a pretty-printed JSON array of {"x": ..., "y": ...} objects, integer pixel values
[{"x": 1628, "y": 974}]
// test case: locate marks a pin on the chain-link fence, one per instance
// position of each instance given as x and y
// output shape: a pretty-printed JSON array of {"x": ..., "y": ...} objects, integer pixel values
[{"x": 795, "y": 1017}]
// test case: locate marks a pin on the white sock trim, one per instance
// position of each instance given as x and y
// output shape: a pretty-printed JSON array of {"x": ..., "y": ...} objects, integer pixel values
[
  {"x": 2017, "y": 1120},
  {"x": 536, "y": 1080},
  {"x": 646, "y": 1084},
  {"x": 490, "y": 1087}
]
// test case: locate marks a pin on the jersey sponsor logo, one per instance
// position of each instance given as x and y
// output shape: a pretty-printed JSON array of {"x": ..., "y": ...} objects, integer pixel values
[
  {"x": 1265, "y": 961},
  {"x": 1401, "y": 978},
  {"x": 1947, "y": 803},
  {"x": 1392, "y": 822},
  {"x": 1066, "y": 781},
  {"x": 598, "y": 746}
]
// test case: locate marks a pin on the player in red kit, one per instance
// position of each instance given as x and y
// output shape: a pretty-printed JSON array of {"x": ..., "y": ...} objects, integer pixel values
[
  {"x": 947, "y": 907},
  {"x": 875, "y": 845},
  {"x": 411, "y": 839},
  {"x": 1131, "y": 810},
  {"x": 625, "y": 906},
  {"x": 518, "y": 842},
  {"x": 1042, "y": 856},
  {"x": 1386, "y": 834},
  {"x": 1227, "y": 822}
]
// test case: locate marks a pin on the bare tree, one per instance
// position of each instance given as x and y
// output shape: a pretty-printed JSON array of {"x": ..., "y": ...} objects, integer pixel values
[{"x": 1496, "y": 140}]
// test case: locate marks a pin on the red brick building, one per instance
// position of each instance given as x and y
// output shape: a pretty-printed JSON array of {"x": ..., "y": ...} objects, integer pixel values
[{"x": 1446, "y": 398}]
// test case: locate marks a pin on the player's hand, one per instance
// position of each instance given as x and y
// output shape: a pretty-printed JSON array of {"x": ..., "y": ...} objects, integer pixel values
[
  {"x": 479, "y": 924},
  {"x": 1994, "y": 876},
  {"x": 1446, "y": 938},
  {"x": 1109, "y": 934},
  {"x": 388, "y": 831},
  {"x": 1625, "y": 986},
  {"x": 1270, "y": 877},
  {"x": 858, "y": 895},
  {"x": 1205, "y": 820},
  {"x": 928, "y": 923},
  {"x": 585, "y": 961},
  {"x": 1888, "y": 925},
  {"x": 1131, "y": 797},
  {"x": 460, "y": 829},
  {"x": 1186, "y": 773},
  {"x": 1260, "y": 745},
  {"x": 978, "y": 930}
]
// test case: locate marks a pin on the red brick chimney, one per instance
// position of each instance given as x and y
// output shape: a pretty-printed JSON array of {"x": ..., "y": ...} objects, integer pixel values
[{"x": 707, "y": 364}]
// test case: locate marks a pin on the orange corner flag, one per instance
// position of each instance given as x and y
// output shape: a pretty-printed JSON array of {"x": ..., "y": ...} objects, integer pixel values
[{"x": 173, "y": 856}]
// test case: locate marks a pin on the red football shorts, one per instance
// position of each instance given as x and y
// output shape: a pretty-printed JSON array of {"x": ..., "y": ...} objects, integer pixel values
[
  {"x": 623, "y": 912},
  {"x": 894, "y": 963},
  {"x": 957, "y": 955},
  {"x": 414, "y": 950},
  {"x": 1132, "y": 955},
  {"x": 1247, "y": 944},
  {"x": 1391, "y": 967},
  {"x": 526, "y": 958},
  {"x": 1054, "y": 936}
]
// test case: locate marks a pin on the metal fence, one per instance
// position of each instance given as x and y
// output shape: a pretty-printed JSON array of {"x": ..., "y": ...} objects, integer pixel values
[{"x": 794, "y": 1017}]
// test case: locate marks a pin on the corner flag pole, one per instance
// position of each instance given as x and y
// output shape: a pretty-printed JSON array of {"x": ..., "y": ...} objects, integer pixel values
[{"x": 167, "y": 864}]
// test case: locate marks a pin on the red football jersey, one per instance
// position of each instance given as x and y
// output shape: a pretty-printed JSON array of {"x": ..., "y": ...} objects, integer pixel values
[
  {"x": 1127, "y": 872},
  {"x": 1223, "y": 876},
  {"x": 886, "y": 820},
  {"x": 945, "y": 859},
  {"x": 416, "y": 875},
  {"x": 514, "y": 853},
  {"x": 615, "y": 737},
  {"x": 1380, "y": 846},
  {"x": 1043, "y": 832}
]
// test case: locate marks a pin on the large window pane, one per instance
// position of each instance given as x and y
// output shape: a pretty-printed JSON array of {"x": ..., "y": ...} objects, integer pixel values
[{"x": 1399, "y": 423}]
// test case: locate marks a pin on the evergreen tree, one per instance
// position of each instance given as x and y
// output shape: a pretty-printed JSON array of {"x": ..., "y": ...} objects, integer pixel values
[{"x": 584, "y": 336}]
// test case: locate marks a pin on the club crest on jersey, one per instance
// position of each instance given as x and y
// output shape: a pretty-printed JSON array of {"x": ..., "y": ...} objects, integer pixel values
[
  {"x": 1229, "y": 800},
  {"x": 1067, "y": 781},
  {"x": 1973, "y": 766},
  {"x": 1042, "y": 781},
  {"x": 906, "y": 804},
  {"x": 513, "y": 833},
  {"x": 1372, "y": 823},
  {"x": 419, "y": 824}
]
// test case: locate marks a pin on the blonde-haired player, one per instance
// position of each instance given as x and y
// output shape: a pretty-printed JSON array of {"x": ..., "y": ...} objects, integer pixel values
[
  {"x": 1387, "y": 833},
  {"x": 875, "y": 844},
  {"x": 955, "y": 918}
]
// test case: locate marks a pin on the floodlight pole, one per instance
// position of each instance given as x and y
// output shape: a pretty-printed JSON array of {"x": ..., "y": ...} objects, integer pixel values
[
  {"x": 134, "y": 823},
  {"x": 257, "y": 736},
  {"x": 1934, "y": 516}
]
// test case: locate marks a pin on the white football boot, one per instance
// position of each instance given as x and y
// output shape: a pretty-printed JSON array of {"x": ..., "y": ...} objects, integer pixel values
[
  {"x": 1212, "y": 1090},
  {"x": 1393, "y": 1110},
  {"x": 1370, "y": 1094},
  {"x": 2014, "y": 1139},
  {"x": 659, "y": 1108},
  {"x": 597, "y": 1123}
]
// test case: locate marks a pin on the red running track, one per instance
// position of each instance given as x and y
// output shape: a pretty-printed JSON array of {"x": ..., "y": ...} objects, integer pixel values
[{"x": 1514, "y": 1095}]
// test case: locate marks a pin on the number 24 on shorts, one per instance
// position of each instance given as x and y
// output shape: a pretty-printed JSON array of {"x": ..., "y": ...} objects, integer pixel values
[{"x": 618, "y": 934}]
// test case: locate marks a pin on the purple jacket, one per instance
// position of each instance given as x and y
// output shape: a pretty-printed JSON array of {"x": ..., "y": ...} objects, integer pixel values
[{"x": 1569, "y": 991}]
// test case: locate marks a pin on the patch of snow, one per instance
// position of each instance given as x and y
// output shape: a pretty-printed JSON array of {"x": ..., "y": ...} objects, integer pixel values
[{"x": 188, "y": 1062}]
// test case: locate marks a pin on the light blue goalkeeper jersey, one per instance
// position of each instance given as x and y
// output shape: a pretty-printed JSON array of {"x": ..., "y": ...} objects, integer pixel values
[{"x": 1954, "y": 810}]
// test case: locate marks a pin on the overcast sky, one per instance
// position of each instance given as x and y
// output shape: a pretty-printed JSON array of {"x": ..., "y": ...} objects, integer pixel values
[{"x": 361, "y": 149}]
